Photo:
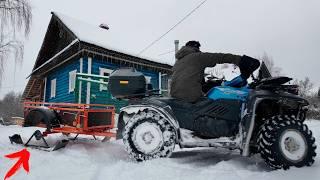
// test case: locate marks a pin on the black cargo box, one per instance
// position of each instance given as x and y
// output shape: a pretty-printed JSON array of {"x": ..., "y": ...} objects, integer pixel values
[{"x": 126, "y": 82}]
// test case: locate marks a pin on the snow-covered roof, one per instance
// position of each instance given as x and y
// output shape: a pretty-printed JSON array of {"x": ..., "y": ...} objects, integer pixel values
[{"x": 98, "y": 36}]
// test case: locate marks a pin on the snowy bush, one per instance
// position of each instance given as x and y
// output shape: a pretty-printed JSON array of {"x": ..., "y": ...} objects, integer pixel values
[
  {"x": 314, "y": 107},
  {"x": 314, "y": 113}
]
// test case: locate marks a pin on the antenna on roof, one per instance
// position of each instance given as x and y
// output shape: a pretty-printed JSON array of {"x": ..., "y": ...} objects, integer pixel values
[{"x": 104, "y": 26}]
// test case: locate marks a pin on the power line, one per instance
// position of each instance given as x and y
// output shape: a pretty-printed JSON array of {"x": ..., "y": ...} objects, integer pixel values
[
  {"x": 184, "y": 18},
  {"x": 165, "y": 53}
]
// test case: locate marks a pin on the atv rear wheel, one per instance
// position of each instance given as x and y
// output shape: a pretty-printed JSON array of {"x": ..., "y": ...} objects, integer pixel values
[
  {"x": 147, "y": 135},
  {"x": 285, "y": 141}
]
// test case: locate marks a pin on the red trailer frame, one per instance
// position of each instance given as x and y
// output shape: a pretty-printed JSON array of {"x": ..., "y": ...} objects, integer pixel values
[{"x": 81, "y": 120}]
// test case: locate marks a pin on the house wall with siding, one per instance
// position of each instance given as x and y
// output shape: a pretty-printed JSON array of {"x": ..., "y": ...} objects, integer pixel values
[{"x": 61, "y": 74}]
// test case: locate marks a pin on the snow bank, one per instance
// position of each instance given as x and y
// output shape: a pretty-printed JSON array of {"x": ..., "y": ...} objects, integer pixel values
[{"x": 89, "y": 159}]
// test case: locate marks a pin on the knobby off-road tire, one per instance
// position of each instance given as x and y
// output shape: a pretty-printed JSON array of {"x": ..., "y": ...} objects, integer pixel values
[
  {"x": 147, "y": 135},
  {"x": 285, "y": 141}
]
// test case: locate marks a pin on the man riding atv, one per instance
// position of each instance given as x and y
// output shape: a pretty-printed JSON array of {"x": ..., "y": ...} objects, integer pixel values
[
  {"x": 266, "y": 116},
  {"x": 188, "y": 71}
]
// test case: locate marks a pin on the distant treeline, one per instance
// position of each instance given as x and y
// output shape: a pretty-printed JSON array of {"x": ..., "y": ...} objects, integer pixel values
[{"x": 11, "y": 106}]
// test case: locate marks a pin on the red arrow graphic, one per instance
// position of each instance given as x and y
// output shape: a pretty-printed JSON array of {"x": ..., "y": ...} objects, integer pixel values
[{"x": 23, "y": 156}]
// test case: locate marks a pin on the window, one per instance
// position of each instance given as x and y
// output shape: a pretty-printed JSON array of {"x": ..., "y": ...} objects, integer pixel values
[
  {"x": 72, "y": 80},
  {"x": 164, "y": 82},
  {"x": 53, "y": 88},
  {"x": 104, "y": 72},
  {"x": 148, "y": 79}
]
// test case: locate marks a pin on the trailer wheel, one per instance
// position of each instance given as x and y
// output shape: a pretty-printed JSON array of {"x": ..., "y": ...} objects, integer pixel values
[
  {"x": 42, "y": 118},
  {"x": 285, "y": 141},
  {"x": 147, "y": 135}
]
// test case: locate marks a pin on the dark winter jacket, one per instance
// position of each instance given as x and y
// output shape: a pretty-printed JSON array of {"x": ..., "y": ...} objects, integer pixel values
[{"x": 188, "y": 71}]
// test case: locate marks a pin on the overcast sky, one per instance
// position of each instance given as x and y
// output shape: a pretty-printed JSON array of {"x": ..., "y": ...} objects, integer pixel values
[{"x": 287, "y": 30}]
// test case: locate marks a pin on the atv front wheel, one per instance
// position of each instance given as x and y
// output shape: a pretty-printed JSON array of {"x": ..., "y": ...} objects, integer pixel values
[
  {"x": 147, "y": 135},
  {"x": 285, "y": 141}
]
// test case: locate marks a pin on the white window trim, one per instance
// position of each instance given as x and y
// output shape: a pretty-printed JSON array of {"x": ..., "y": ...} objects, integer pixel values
[
  {"x": 88, "y": 83},
  {"x": 53, "y": 88},
  {"x": 80, "y": 83},
  {"x": 160, "y": 81},
  {"x": 72, "y": 80},
  {"x": 45, "y": 89},
  {"x": 102, "y": 71}
]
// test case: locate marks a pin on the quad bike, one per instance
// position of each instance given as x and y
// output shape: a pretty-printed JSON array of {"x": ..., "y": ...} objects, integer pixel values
[{"x": 266, "y": 117}]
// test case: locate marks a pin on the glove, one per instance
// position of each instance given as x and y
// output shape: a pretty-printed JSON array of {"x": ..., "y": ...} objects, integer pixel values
[
  {"x": 238, "y": 81},
  {"x": 248, "y": 65}
]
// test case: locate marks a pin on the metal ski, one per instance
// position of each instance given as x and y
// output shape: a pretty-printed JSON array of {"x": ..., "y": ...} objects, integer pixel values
[{"x": 16, "y": 138}]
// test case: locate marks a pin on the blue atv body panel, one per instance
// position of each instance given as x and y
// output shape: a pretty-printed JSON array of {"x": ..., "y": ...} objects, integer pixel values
[{"x": 227, "y": 92}]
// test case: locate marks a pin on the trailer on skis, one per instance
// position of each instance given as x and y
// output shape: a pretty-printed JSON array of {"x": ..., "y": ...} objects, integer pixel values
[{"x": 68, "y": 118}]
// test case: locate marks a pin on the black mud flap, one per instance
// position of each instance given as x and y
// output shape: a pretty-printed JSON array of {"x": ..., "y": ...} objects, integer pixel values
[{"x": 16, "y": 138}]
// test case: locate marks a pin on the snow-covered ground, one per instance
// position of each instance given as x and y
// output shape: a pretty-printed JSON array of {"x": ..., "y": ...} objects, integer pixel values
[{"x": 89, "y": 159}]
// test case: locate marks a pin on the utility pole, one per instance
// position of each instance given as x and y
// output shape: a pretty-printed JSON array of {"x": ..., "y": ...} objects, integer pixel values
[
  {"x": 176, "y": 49},
  {"x": 176, "y": 46}
]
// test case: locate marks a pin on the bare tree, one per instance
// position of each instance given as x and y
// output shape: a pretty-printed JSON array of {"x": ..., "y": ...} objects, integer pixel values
[
  {"x": 15, "y": 21},
  {"x": 305, "y": 86},
  {"x": 269, "y": 62}
]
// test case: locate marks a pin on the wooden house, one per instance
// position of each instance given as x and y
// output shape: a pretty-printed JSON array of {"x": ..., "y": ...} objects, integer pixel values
[{"x": 71, "y": 46}]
